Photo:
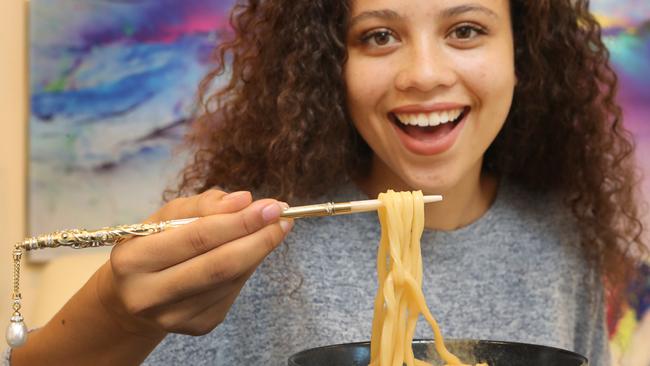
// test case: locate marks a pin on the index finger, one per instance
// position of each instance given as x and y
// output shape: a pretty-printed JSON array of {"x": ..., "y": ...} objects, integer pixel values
[
  {"x": 210, "y": 202},
  {"x": 163, "y": 250}
]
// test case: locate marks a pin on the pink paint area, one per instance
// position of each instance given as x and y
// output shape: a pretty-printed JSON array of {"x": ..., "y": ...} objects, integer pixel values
[
  {"x": 637, "y": 119},
  {"x": 201, "y": 23},
  {"x": 195, "y": 23},
  {"x": 162, "y": 22}
]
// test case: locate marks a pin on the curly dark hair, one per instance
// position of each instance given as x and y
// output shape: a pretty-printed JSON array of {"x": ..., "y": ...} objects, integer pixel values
[{"x": 270, "y": 128}]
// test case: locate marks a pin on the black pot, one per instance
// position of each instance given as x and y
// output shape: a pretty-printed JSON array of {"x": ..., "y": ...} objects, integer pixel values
[{"x": 495, "y": 353}]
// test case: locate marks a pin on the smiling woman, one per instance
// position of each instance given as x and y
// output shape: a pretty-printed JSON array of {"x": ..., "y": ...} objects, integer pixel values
[{"x": 506, "y": 108}]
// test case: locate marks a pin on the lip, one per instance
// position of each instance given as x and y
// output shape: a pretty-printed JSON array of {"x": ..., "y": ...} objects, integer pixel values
[{"x": 431, "y": 147}]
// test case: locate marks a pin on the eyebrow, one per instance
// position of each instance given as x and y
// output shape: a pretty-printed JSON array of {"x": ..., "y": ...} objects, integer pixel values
[
  {"x": 461, "y": 9},
  {"x": 447, "y": 13},
  {"x": 382, "y": 14}
]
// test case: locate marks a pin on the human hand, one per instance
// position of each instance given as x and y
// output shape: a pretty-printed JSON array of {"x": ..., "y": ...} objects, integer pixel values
[{"x": 186, "y": 279}]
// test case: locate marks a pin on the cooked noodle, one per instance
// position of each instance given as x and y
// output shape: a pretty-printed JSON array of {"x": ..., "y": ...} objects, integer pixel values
[{"x": 399, "y": 299}]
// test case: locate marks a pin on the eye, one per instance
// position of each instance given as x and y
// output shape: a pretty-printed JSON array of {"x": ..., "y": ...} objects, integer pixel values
[
  {"x": 379, "y": 38},
  {"x": 465, "y": 32}
]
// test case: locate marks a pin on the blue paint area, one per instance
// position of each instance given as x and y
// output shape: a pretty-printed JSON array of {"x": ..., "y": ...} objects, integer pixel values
[
  {"x": 639, "y": 292},
  {"x": 105, "y": 100},
  {"x": 147, "y": 70}
]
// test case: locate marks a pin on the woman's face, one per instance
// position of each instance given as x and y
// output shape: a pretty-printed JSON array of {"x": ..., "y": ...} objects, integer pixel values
[{"x": 429, "y": 85}]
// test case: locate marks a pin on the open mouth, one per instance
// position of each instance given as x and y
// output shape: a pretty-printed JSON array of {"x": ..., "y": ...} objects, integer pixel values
[{"x": 429, "y": 126}]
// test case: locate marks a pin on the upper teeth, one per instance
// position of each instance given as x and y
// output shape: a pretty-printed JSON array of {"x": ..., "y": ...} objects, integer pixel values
[{"x": 429, "y": 119}]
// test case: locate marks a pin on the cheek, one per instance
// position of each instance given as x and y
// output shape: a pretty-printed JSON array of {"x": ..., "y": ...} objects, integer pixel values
[
  {"x": 487, "y": 78},
  {"x": 366, "y": 81},
  {"x": 491, "y": 81}
]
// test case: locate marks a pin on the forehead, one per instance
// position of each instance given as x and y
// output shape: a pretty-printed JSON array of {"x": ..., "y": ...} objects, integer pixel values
[{"x": 407, "y": 8}]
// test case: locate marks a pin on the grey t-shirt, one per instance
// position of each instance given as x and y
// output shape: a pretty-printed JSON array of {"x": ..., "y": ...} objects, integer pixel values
[{"x": 514, "y": 275}]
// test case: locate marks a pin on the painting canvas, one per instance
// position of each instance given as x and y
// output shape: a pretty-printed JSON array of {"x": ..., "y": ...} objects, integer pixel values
[
  {"x": 626, "y": 31},
  {"x": 112, "y": 84}
]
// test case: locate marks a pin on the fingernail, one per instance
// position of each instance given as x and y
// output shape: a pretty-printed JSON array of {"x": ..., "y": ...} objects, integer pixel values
[
  {"x": 271, "y": 212},
  {"x": 286, "y": 225},
  {"x": 234, "y": 195},
  {"x": 284, "y": 205}
]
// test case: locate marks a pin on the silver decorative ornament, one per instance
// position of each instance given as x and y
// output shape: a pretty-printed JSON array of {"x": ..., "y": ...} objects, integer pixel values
[{"x": 16, "y": 334}]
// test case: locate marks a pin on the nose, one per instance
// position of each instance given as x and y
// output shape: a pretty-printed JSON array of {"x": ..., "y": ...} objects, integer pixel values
[{"x": 425, "y": 67}]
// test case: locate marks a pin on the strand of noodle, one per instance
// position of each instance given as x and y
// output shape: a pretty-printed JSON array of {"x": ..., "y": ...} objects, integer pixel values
[
  {"x": 379, "y": 312},
  {"x": 385, "y": 356},
  {"x": 417, "y": 227},
  {"x": 447, "y": 356},
  {"x": 393, "y": 289},
  {"x": 406, "y": 215},
  {"x": 401, "y": 265}
]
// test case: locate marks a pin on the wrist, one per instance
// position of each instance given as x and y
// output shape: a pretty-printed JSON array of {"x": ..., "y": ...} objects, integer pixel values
[{"x": 114, "y": 308}]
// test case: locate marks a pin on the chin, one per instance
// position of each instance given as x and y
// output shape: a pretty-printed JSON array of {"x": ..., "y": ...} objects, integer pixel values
[{"x": 431, "y": 183}]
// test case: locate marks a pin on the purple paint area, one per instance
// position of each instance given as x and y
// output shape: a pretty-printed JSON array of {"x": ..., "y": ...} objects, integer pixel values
[{"x": 160, "y": 21}]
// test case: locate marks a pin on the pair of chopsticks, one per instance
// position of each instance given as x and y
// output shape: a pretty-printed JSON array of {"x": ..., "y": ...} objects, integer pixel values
[{"x": 81, "y": 238}]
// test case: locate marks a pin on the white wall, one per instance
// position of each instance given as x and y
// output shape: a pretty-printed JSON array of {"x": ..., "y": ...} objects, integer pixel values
[{"x": 12, "y": 143}]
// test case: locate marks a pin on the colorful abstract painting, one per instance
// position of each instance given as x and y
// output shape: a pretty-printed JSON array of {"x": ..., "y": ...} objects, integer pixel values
[
  {"x": 626, "y": 31},
  {"x": 112, "y": 84}
]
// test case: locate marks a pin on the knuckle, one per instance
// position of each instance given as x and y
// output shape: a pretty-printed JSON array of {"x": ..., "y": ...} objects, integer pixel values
[
  {"x": 213, "y": 193},
  {"x": 199, "y": 241},
  {"x": 272, "y": 236},
  {"x": 174, "y": 203},
  {"x": 168, "y": 210},
  {"x": 121, "y": 263},
  {"x": 135, "y": 307},
  {"x": 250, "y": 222},
  {"x": 207, "y": 200},
  {"x": 222, "y": 272},
  {"x": 168, "y": 321},
  {"x": 268, "y": 240}
]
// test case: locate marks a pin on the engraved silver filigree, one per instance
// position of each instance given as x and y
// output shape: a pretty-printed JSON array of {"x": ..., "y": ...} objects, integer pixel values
[{"x": 108, "y": 236}]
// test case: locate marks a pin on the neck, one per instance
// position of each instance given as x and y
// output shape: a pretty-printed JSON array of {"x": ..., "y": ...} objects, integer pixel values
[{"x": 463, "y": 202}]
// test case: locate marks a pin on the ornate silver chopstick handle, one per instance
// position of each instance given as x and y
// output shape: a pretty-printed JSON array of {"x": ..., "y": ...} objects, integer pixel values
[{"x": 81, "y": 238}]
